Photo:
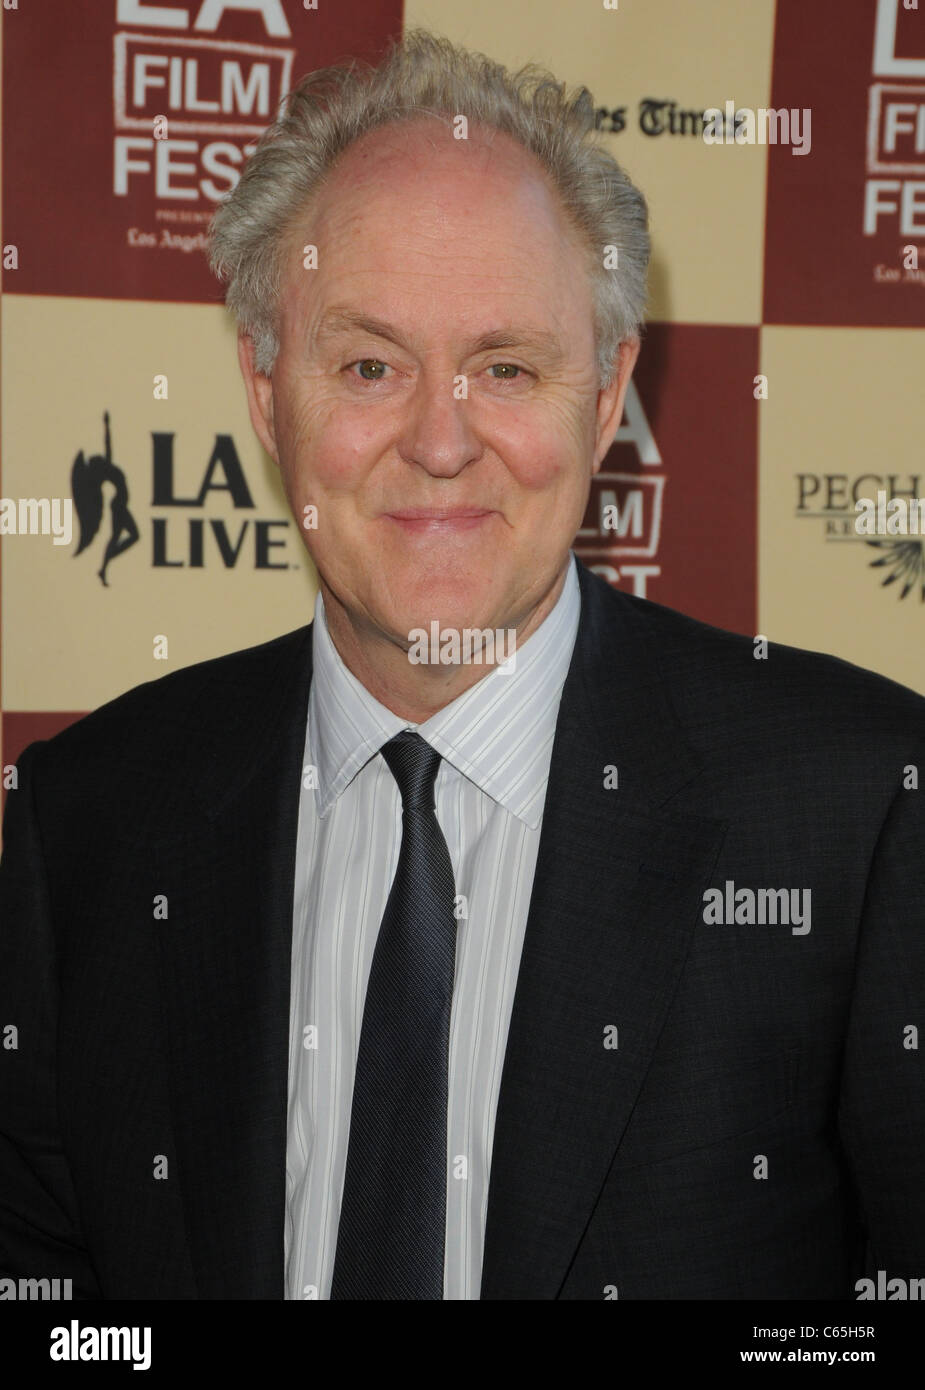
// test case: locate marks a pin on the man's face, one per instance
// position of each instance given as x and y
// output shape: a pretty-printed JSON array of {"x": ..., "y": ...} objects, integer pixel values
[{"x": 436, "y": 395}]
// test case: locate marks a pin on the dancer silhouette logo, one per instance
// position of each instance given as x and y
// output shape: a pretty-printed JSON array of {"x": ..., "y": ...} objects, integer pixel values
[{"x": 87, "y": 479}]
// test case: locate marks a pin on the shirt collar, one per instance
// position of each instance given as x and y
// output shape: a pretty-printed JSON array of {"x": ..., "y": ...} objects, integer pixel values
[{"x": 498, "y": 733}]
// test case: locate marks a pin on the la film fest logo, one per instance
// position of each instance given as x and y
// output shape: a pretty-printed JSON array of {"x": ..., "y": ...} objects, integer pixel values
[
  {"x": 885, "y": 512},
  {"x": 894, "y": 191},
  {"x": 183, "y": 533},
  {"x": 175, "y": 82},
  {"x": 188, "y": 109},
  {"x": 620, "y": 535}
]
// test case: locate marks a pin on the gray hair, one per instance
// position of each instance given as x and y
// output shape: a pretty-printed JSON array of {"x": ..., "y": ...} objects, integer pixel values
[{"x": 426, "y": 75}]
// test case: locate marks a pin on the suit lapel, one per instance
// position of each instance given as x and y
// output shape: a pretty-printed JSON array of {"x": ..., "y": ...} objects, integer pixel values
[
  {"x": 227, "y": 873},
  {"x": 616, "y": 895}
]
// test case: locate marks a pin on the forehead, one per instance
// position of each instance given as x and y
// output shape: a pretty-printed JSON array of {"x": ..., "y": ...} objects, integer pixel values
[
  {"x": 412, "y": 212},
  {"x": 422, "y": 148}
]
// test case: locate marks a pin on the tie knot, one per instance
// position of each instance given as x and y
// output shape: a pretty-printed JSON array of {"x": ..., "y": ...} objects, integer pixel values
[{"x": 413, "y": 764}]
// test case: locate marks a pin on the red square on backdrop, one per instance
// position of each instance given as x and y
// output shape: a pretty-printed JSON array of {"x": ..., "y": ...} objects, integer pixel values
[
  {"x": 841, "y": 218},
  {"x": 89, "y": 190},
  {"x": 683, "y": 478}
]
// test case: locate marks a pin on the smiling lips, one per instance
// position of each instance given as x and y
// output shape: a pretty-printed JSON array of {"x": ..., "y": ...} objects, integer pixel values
[{"x": 441, "y": 519}]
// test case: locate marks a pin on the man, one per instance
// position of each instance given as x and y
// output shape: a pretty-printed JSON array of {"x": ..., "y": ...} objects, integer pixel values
[{"x": 588, "y": 967}]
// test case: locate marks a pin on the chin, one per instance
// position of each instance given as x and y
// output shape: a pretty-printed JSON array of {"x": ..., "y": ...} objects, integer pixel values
[{"x": 447, "y": 609}]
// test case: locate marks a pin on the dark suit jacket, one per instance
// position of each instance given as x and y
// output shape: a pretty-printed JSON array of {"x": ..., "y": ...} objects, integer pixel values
[{"x": 633, "y": 1170}]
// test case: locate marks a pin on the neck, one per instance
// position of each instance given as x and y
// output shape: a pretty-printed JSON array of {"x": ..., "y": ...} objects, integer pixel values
[{"x": 416, "y": 691}]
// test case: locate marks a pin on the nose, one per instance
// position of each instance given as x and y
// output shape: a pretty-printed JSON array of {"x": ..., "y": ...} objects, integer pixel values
[{"x": 437, "y": 433}]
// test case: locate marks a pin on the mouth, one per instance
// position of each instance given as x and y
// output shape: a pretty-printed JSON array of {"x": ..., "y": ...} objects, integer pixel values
[{"x": 440, "y": 520}]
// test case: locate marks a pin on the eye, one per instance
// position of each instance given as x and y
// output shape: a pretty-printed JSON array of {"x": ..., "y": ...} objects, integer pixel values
[
  {"x": 371, "y": 369},
  {"x": 507, "y": 367}
]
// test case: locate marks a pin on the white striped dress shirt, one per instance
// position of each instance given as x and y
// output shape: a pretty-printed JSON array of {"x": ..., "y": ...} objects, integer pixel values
[{"x": 495, "y": 741}]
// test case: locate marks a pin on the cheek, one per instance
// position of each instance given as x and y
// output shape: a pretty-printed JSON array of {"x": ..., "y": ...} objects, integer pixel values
[
  {"x": 546, "y": 452},
  {"x": 323, "y": 447}
]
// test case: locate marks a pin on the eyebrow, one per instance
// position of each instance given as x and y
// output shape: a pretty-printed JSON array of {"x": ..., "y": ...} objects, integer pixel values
[{"x": 337, "y": 321}]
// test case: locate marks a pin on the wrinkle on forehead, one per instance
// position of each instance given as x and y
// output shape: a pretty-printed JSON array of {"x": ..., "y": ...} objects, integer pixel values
[{"x": 398, "y": 160}]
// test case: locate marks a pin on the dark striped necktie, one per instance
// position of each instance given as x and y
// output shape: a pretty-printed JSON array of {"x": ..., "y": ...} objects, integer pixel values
[{"x": 390, "y": 1241}]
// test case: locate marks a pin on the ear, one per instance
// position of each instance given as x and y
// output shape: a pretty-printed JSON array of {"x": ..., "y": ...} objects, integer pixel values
[
  {"x": 259, "y": 396},
  {"x": 610, "y": 400}
]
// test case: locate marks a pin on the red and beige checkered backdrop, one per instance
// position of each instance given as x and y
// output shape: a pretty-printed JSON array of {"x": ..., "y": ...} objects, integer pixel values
[{"x": 782, "y": 374}]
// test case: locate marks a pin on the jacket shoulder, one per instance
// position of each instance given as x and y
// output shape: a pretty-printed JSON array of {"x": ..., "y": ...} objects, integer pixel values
[
  {"x": 711, "y": 671},
  {"x": 173, "y": 715}
]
